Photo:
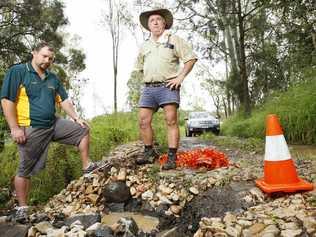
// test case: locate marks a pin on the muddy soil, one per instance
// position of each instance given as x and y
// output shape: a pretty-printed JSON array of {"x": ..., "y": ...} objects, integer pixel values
[{"x": 214, "y": 202}]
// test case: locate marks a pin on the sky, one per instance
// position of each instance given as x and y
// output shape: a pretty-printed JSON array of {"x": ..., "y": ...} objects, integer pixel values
[{"x": 95, "y": 41}]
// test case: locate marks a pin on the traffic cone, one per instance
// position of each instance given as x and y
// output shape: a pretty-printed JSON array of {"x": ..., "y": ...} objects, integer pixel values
[{"x": 279, "y": 169}]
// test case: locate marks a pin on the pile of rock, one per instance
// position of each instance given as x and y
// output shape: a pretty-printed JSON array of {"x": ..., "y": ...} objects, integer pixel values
[
  {"x": 286, "y": 216},
  {"x": 85, "y": 225},
  {"x": 171, "y": 189}
]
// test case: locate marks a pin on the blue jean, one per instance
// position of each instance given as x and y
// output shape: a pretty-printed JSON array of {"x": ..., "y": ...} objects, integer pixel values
[{"x": 155, "y": 97}]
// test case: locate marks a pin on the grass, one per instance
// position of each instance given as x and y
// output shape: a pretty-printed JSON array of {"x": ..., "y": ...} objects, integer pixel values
[{"x": 296, "y": 109}]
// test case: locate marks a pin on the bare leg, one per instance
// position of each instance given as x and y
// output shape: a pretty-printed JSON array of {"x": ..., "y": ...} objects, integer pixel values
[
  {"x": 84, "y": 151},
  {"x": 22, "y": 186},
  {"x": 146, "y": 131},
  {"x": 171, "y": 117}
]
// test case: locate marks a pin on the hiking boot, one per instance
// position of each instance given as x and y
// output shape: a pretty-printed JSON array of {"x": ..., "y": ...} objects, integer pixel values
[
  {"x": 20, "y": 215},
  {"x": 149, "y": 157},
  {"x": 171, "y": 162},
  {"x": 93, "y": 166}
]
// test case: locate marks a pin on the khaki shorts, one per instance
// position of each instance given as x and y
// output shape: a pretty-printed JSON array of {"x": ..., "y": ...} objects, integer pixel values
[{"x": 33, "y": 153}]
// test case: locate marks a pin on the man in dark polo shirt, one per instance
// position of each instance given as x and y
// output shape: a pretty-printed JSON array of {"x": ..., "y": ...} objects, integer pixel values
[{"x": 28, "y": 97}]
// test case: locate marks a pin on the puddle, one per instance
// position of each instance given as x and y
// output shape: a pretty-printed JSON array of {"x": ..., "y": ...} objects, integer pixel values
[{"x": 145, "y": 223}]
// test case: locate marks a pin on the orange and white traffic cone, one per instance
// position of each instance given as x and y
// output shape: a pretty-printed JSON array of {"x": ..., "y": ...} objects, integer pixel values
[{"x": 279, "y": 169}]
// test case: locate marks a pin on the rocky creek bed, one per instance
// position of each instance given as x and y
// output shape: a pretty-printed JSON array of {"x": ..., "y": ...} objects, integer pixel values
[{"x": 145, "y": 201}]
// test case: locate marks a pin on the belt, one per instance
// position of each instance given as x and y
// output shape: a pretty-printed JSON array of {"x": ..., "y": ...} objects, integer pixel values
[{"x": 155, "y": 84}]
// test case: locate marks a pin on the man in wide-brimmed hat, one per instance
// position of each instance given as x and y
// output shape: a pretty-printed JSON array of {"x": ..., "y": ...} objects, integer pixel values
[{"x": 159, "y": 61}]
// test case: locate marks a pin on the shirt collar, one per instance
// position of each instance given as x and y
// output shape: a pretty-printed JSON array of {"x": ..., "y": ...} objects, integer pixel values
[
  {"x": 31, "y": 69},
  {"x": 163, "y": 38}
]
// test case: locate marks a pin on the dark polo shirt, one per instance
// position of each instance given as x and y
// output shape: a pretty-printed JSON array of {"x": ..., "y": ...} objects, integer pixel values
[{"x": 35, "y": 98}]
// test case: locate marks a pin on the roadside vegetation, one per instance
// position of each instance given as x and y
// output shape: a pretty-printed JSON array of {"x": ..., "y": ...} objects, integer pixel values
[{"x": 296, "y": 109}]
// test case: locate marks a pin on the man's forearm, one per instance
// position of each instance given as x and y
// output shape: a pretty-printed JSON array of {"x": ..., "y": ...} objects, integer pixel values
[
  {"x": 68, "y": 107},
  {"x": 9, "y": 110},
  {"x": 187, "y": 68}
]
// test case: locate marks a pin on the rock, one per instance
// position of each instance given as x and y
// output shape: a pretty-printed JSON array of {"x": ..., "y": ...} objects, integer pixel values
[
  {"x": 257, "y": 193},
  {"x": 290, "y": 226},
  {"x": 96, "y": 182},
  {"x": 174, "y": 197},
  {"x": 199, "y": 233},
  {"x": 256, "y": 228},
  {"x": 244, "y": 223},
  {"x": 133, "y": 191},
  {"x": 284, "y": 212},
  {"x": 86, "y": 219},
  {"x": 68, "y": 210},
  {"x": 271, "y": 229},
  {"x": 93, "y": 198},
  {"x": 69, "y": 199},
  {"x": 32, "y": 232},
  {"x": 290, "y": 233},
  {"x": 165, "y": 190},
  {"x": 229, "y": 218},
  {"x": 113, "y": 171},
  {"x": 194, "y": 190},
  {"x": 122, "y": 175},
  {"x": 310, "y": 224},
  {"x": 99, "y": 230},
  {"x": 76, "y": 233},
  {"x": 94, "y": 226},
  {"x": 77, "y": 224},
  {"x": 189, "y": 198},
  {"x": 175, "y": 209},
  {"x": 43, "y": 227},
  {"x": 89, "y": 189},
  {"x": 163, "y": 199},
  {"x": 57, "y": 233},
  {"x": 116, "y": 191},
  {"x": 148, "y": 195},
  {"x": 234, "y": 232},
  {"x": 36, "y": 218},
  {"x": 127, "y": 226}
]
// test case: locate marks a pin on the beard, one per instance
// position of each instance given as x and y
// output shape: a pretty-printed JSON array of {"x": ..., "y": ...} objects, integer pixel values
[{"x": 44, "y": 66}]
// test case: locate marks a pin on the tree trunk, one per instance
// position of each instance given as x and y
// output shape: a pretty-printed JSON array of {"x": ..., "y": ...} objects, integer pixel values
[{"x": 242, "y": 63}]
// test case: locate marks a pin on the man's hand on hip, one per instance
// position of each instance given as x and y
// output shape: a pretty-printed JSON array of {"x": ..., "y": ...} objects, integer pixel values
[
  {"x": 82, "y": 123},
  {"x": 174, "y": 83},
  {"x": 18, "y": 135}
]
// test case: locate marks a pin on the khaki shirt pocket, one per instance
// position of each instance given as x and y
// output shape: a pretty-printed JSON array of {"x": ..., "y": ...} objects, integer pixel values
[{"x": 167, "y": 54}]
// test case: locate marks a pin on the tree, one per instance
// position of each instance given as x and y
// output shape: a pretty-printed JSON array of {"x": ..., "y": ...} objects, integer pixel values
[
  {"x": 134, "y": 86},
  {"x": 267, "y": 45},
  {"x": 112, "y": 19}
]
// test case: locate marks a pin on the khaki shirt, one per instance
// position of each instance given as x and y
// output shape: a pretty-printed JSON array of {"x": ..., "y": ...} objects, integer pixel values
[{"x": 160, "y": 60}]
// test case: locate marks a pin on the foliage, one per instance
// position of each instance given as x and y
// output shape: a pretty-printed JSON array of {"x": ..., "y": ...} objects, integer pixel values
[
  {"x": 134, "y": 85},
  {"x": 296, "y": 109},
  {"x": 266, "y": 46}
]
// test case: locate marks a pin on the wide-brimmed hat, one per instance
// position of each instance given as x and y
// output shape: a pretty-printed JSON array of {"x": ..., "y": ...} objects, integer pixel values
[{"x": 165, "y": 13}]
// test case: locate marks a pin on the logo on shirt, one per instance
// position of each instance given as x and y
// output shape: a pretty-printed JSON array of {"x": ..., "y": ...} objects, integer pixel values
[{"x": 50, "y": 87}]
